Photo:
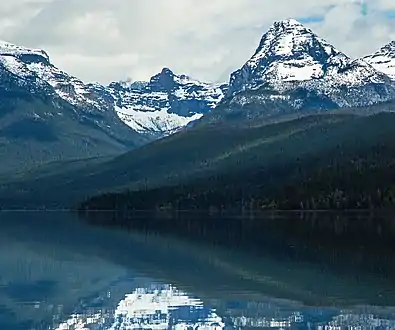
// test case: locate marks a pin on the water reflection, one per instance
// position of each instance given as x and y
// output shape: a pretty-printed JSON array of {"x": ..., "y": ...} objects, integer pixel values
[
  {"x": 57, "y": 273},
  {"x": 156, "y": 307},
  {"x": 161, "y": 306}
]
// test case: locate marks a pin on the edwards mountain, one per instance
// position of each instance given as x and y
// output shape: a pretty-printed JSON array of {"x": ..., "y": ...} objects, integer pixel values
[{"x": 298, "y": 109}]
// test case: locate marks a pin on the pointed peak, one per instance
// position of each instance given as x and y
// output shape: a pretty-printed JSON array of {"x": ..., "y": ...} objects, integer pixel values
[
  {"x": 383, "y": 59},
  {"x": 289, "y": 25},
  {"x": 163, "y": 81},
  {"x": 288, "y": 22},
  {"x": 289, "y": 37},
  {"x": 284, "y": 29},
  {"x": 166, "y": 72},
  {"x": 387, "y": 50}
]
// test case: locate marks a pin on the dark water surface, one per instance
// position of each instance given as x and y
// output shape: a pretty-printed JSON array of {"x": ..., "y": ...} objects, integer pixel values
[{"x": 56, "y": 272}]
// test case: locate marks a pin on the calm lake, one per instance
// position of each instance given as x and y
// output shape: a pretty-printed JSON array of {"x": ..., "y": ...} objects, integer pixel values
[{"x": 58, "y": 272}]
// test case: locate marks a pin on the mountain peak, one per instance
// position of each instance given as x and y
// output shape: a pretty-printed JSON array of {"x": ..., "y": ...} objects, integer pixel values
[
  {"x": 288, "y": 27},
  {"x": 284, "y": 28},
  {"x": 166, "y": 72},
  {"x": 387, "y": 50},
  {"x": 290, "y": 22},
  {"x": 287, "y": 37},
  {"x": 23, "y": 53},
  {"x": 287, "y": 52},
  {"x": 383, "y": 60},
  {"x": 163, "y": 81}
]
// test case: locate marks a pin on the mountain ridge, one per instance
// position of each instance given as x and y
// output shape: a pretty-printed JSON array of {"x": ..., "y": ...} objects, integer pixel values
[
  {"x": 293, "y": 68},
  {"x": 151, "y": 108},
  {"x": 293, "y": 71}
]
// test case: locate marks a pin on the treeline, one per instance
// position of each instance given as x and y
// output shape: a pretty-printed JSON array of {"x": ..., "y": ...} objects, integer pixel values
[{"x": 335, "y": 181}]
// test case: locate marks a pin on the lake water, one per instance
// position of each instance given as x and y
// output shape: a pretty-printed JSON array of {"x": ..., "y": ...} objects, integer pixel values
[{"x": 56, "y": 272}]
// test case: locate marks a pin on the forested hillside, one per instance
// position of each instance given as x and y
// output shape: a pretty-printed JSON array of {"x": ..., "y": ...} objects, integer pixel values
[{"x": 343, "y": 165}]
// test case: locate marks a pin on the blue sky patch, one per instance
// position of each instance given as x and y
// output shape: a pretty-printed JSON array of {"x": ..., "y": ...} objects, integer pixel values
[{"x": 311, "y": 19}]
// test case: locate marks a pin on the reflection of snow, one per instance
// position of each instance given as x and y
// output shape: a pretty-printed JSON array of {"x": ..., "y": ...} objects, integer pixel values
[
  {"x": 161, "y": 308},
  {"x": 158, "y": 307}
]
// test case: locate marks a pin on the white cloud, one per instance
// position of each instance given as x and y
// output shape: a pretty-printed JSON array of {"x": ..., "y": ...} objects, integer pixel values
[{"x": 108, "y": 40}]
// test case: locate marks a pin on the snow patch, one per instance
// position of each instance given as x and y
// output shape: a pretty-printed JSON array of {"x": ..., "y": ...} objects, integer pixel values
[
  {"x": 15, "y": 66},
  {"x": 148, "y": 120}
]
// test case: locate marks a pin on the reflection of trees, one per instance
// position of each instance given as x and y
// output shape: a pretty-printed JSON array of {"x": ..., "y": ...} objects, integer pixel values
[
  {"x": 342, "y": 321},
  {"x": 352, "y": 236}
]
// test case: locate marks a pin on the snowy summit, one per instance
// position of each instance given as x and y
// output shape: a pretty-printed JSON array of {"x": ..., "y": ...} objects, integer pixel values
[
  {"x": 165, "y": 104},
  {"x": 384, "y": 59},
  {"x": 301, "y": 70},
  {"x": 159, "y": 107}
]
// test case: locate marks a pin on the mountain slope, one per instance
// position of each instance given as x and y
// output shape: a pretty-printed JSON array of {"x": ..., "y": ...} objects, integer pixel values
[
  {"x": 295, "y": 70},
  {"x": 48, "y": 115},
  {"x": 165, "y": 104},
  {"x": 335, "y": 164},
  {"x": 383, "y": 60},
  {"x": 191, "y": 155},
  {"x": 37, "y": 121}
]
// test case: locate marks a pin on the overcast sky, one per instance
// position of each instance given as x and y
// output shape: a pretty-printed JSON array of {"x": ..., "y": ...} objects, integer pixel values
[{"x": 106, "y": 40}]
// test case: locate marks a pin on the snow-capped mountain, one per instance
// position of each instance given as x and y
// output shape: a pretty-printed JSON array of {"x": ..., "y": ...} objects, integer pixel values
[
  {"x": 288, "y": 52},
  {"x": 166, "y": 103},
  {"x": 294, "y": 69},
  {"x": 383, "y": 60},
  {"x": 48, "y": 115}
]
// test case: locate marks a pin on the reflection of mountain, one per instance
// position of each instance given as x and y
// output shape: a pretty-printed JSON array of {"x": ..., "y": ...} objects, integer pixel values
[
  {"x": 162, "y": 306},
  {"x": 59, "y": 267},
  {"x": 156, "y": 307}
]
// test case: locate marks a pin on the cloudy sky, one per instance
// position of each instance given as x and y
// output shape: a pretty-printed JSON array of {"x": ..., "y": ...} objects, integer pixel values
[{"x": 106, "y": 40}]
